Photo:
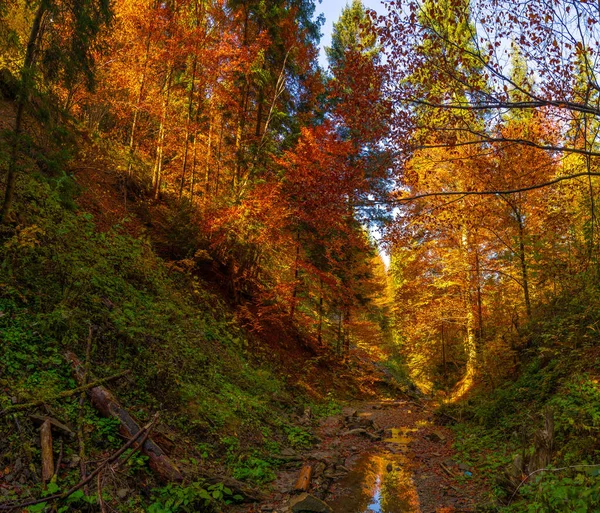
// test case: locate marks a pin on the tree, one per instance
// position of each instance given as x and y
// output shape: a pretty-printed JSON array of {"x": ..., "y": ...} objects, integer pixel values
[{"x": 69, "y": 30}]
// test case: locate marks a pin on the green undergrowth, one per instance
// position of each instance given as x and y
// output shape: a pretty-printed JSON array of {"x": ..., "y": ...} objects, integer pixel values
[
  {"x": 559, "y": 378},
  {"x": 62, "y": 281}
]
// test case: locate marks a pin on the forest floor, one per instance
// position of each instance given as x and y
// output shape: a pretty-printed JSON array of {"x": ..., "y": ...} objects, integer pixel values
[{"x": 379, "y": 456}]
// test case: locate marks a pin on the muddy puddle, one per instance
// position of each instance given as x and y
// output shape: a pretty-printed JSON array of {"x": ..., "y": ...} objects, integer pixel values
[{"x": 379, "y": 482}]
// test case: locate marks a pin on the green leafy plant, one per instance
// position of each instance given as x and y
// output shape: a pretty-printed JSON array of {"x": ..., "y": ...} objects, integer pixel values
[
  {"x": 254, "y": 468},
  {"x": 298, "y": 437},
  {"x": 192, "y": 498}
]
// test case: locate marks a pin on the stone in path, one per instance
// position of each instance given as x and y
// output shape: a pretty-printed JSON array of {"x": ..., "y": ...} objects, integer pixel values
[{"x": 306, "y": 503}]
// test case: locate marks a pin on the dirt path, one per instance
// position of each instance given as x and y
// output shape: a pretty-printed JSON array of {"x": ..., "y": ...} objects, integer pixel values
[{"x": 384, "y": 457}]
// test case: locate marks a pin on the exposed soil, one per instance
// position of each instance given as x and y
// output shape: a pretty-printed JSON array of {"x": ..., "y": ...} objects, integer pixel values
[{"x": 412, "y": 468}]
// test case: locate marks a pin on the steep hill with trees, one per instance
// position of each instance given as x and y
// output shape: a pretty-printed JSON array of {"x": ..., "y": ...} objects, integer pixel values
[{"x": 188, "y": 220}]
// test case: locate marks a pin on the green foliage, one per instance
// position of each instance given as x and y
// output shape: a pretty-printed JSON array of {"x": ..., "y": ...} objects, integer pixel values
[
  {"x": 298, "y": 437},
  {"x": 185, "y": 349},
  {"x": 553, "y": 493},
  {"x": 254, "y": 468},
  {"x": 326, "y": 408},
  {"x": 78, "y": 500},
  {"x": 351, "y": 32},
  {"x": 195, "y": 497}
]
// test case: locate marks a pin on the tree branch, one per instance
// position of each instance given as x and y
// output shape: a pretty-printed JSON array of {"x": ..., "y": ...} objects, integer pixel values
[{"x": 492, "y": 192}]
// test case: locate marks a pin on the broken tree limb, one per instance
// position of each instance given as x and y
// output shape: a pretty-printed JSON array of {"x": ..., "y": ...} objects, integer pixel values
[
  {"x": 107, "y": 405},
  {"x": 80, "y": 433},
  {"x": 447, "y": 470},
  {"x": 141, "y": 435},
  {"x": 46, "y": 449},
  {"x": 68, "y": 393},
  {"x": 303, "y": 482},
  {"x": 40, "y": 419}
]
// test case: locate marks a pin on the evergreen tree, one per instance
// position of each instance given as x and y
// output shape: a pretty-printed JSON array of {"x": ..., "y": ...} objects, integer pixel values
[{"x": 69, "y": 29}]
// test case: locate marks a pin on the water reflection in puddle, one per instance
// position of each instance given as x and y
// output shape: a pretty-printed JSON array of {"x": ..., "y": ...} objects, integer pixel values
[{"x": 379, "y": 483}]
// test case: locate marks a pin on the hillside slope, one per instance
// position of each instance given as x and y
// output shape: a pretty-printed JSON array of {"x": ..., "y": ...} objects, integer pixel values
[{"x": 79, "y": 268}]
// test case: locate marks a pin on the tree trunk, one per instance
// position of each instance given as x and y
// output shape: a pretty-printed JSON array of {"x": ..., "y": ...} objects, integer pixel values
[
  {"x": 136, "y": 112},
  {"x": 296, "y": 276},
  {"x": 479, "y": 301},
  {"x": 207, "y": 162},
  {"x": 157, "y": 174},
  {"x": 523, "y": 261},
  {"x": 22, "y": 99},
  {"x": 187, "y": 126},
  {"x": 347, "y": 332},
  {"x": 320, "y": 329},
  {"x": 470, "y": 344},
  {"x": 46, "y": 449},
  {"x": 193, "y": 179}
]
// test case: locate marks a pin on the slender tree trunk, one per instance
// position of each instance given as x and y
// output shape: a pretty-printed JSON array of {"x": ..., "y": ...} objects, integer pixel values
[
  {"x": 469, "y": 341},
  {"x": 339, "y": 333},
  {"x": 25, "y": 90},
  {"x": 347, "y": 332},
  {"x": 157, "y": 174},
  {"x": 320, "y": 328},
  {"x": 239, "y": 149},
  {"x": 138, "y": 102},
  {"x": 479, "y": 300},
  {"x": 296, "y": 276},
  {"x": 241, "y": 120},
  {"x": 445, "y": 371},
  {"x": 523, "y": 261},
  {"x": 219, "y": 156},
  {"x": 187, "y": 125},
  {"x": 207, "y": 161},
  {"x": 193, "y": 179}
]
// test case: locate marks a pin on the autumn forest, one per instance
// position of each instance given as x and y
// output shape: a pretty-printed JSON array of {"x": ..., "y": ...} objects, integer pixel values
[{"x": 238, "y": 277}]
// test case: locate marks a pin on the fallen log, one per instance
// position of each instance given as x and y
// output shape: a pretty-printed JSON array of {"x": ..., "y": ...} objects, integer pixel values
[
  {"x": 108, "y": 406},
  {"x": 141, "y": 435},
  {"x": 46, "y": 449},
  {"x": 303, "y": 482}
]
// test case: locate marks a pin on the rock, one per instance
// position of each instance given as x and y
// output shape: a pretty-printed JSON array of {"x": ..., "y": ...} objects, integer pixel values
[
  {"x": 348, "y": 411},
  {"x": 361, "y": 431},
  {"x": 122, "y": 493},
  {"x": 319, "y": 469},
  {"x": 306, "y": 503},
  {"x": 288, "y": 452},
  {"x": 435, "y": 437},
  {"x": 330, "y": 472},
  {"x": 357, "y": 423}
]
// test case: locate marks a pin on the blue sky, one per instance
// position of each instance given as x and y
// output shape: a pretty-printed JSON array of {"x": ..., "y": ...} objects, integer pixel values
[{"x": 332, "y": 10}]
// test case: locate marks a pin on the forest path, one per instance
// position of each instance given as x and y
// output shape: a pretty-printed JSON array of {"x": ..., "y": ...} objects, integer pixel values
[{"x": 384, "y": 456}]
